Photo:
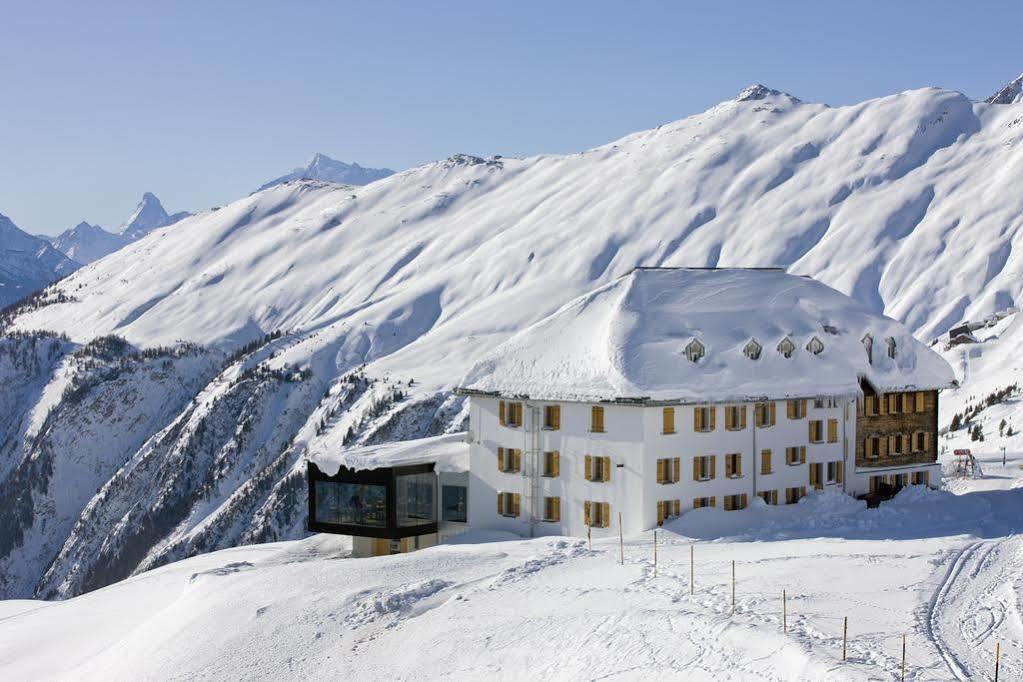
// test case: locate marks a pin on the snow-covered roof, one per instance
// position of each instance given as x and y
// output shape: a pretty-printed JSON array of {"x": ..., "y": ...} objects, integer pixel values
[
  {"x": 449, "y": 453},
  {"x": 627, "y": 340}
]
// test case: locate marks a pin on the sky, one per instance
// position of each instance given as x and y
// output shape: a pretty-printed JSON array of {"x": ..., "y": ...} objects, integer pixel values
[{"x": 201, "y": 102}]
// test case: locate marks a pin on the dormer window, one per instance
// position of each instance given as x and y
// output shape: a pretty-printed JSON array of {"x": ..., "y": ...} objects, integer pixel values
[
  {"x": 868, "y": 345},
  {"x": 831, "y": 329},
  {"x": 891, "y": 347},
  {"x": 752, "y": 350},
  {"x": 815, "y": 346},
  {"x": 786, "y": 347},
  {"x": 695, "y": 350}
]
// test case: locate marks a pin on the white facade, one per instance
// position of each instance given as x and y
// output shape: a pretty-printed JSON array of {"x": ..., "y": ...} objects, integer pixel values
[{"x": 634, "y": 440}]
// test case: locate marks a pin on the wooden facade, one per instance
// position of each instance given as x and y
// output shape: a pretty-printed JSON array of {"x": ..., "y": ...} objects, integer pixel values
[{"x": 896, "y": 429}]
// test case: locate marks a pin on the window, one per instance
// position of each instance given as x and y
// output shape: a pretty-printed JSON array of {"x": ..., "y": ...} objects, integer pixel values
[
  {"x": 508, "y": 504},
  {"x": 815, "y": 346},
  {"x": 816, "y": 431},
  {"x": 832, "y": 430},
  {"x": 872, "y": 447},
  {"x": 816, "y": 480},
  {"x": 920, "y": 441},
  {"x": 358, "y": 504},
  {"x": 870, "y": 405},
  {"x": 668, "y": 470},
  {"x": 893, "y": 403},
  {"x": 509, "y": 460},
  {"x": 552, "y": 464},
  {"x": 896, "y": 444},
  {"x": 764, "y": 414},
  {"x": 668, "y": 420},
  {"x": 868, "y": 345},
  {"x": 818, "y": 403},
  {"x": 695, "y": 350},
  {"x": 891, "y": 347},
  {"x": 552, "y": 509},
  {"x": 701, "y": 502},
  {"x": 875, "y": 483},
  {"x": 509, "y": 414},
  {"x": 704, "y": 418},
  {"x": 765, "y": 461},
  {"x": 552, "y": 417},
  {"x": 795, "y": 455},
  {"x": 753, "y": 350},
  {"x": 835, "y": 471},
  {"x": 454, "y": 500},
  {"x": 598, "y": 469},
  {"x": 921, "y": 477},
  {"x": 597, "y": 514},
  {"x": 703, "y": 468},
  {"x": 795, "y": 409},
  {"x": 415, "y": 499},
  {"x": 735, "y": 502},
  {"x": 733, "y": 465},
  {"x": 735, "y": 417},
  {"x": 667, "y": 509},
  {"x": 793, "y": 495},
  {"x": 597, "y": 419},
  {"x": 769, "y": 496},
  {"x": 786, "y": 347}
]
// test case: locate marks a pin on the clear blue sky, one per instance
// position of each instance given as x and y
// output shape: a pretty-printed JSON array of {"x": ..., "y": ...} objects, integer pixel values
[{"x": 202, "y": 102}]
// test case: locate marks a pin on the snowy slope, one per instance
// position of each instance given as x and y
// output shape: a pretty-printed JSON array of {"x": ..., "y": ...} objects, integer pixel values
[
  {"x": 941, "y": 569},
  {"x": 1012, "y": 93},
  {"x": 27, "y": 263},
  {"x": 85, "y": 243},
  {"x": 322, "y": 167},
  {"x": 908, "y": 202}
]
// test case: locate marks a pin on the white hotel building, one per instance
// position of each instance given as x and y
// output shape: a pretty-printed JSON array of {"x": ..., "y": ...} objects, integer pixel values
[{"x": 671, "y": 389}]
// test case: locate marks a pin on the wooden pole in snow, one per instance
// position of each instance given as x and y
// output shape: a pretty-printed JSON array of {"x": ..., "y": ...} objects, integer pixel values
[
  {"x": 621, "y": 540},
  {"x": 902, "y": 675},
  {"x": 845, "y": 633},
  {"x": 732, "y": 587},
  {"x": 655, "y": 552},
  {"x": 589, "y": 537},
  {"x": 998, "y": 654},
  {"x": 692, "y": 570},
  {"x": 784, "y": 613}
]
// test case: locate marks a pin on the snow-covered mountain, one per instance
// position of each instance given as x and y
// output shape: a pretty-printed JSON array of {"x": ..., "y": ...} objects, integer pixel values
[
  {"x": 1012, "y": 93},
  {"x": 322, "y": 167},
  {"x": 85, "y": 243},
  {"x": 27, "y": 263},
  {"x": 361, "y": 307},
  {"x": 148, "y": 216}
]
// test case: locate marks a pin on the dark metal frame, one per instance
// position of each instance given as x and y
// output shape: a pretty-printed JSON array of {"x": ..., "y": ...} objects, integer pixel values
[{"x": 386, "y": 477}]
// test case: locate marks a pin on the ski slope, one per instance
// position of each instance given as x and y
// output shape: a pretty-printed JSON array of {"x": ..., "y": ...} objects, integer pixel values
[{"x": 941, "y": 568}]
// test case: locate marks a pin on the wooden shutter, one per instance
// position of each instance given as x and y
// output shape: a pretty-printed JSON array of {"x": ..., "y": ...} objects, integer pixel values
[
  {"x": 676, "y": 470},
  {"x": 557, "y": 508},
  {"x": 927, "y": 441},
  {"x": 743, "y": 501},
  {"x": 696, "y": 468},
  {"x": 802, "y": 408},
  {"x": 790, "y": 409},
  {"x": 556, "y": 410},
  {"x": 927, "y": 478},
  {"x": 607, "y": 469},
  {"x": 500, "y": 459},
  {"x": 555, "y": 463},
  {"x": 588, "y": 460},
  {"x": 713, "y": 417},
  {"x": 502, "y": 415},
  {"x": 668, "y": 420},
  {"x": 891, "y": 445},
  {"x": 516, "y": 461},
  {"x": 662, "y": 476},
  {"x": 738, "y": 465},
  {"x": 813, "y": 475},
  {"x": 587, "y": 515},
  {"x": 660, "y": 513},
  {"x": 839, "y": 471},
  {"x": 919, "y": 401},
  {"x": 813, "y": 436},
  {"x": 765, "y": 461},
  {"x": 802, "y": 491},
  {"x": 516, "y": 500},
  {"x": 696, "y": 419},
  {"x": 742, "y": 417},
  {"x": 678, "y": 508},
  {"x": 773, "y": 409},
  {"x": 832, "y": 430},
  {"x": 500, "y": 504},
  {"x": 729, "y": 418},
  {"x": 713, "y": 465},
  {"x": 597, "y": 419},
  {"x": 605, "y": 508}
]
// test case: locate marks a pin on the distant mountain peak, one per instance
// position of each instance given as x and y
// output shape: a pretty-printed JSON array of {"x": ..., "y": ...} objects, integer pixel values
[
  {"x": 322, "y": 167},
  {"x": 759, "y": 91},
  {"x": 148, "y": 216},
  {"x": 1012, "y": 93}
]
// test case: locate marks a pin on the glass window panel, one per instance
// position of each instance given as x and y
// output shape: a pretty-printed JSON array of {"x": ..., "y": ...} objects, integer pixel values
[
  {"x": 416, "y": 499},
  {"x": 454, "y": 503}
]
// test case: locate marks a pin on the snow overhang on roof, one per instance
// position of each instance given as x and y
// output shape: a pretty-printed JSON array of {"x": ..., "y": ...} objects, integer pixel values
[
  {"x": 628, "y": 338},
  {"x": 449, "y": 453}
]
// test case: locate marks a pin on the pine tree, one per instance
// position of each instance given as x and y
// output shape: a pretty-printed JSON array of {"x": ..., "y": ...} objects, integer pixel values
[{"x": 957, "y": 422}]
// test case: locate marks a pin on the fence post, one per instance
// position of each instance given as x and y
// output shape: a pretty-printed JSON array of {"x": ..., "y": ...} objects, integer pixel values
[
  {"x": 998, "y": 653},
  {"x": 902, "y": 675},
  {"x": 655, "y": 552},
  {"x": 692, "y": 570},
  {"x": 784, "y": 613},
  {"x": 621, "y": 541},
  {"x": 845, "y": 634},
  {"x": 589, "y": 537},
  {"x": 732, "y": 587}
]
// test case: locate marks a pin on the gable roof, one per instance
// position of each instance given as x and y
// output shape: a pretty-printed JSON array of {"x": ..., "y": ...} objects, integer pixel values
[{"x": 626, "y": 340}]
